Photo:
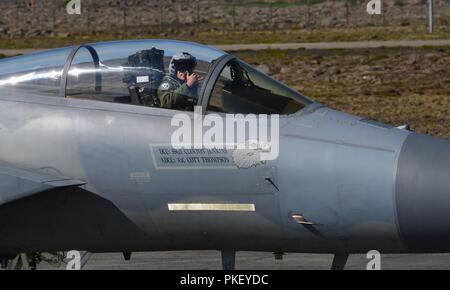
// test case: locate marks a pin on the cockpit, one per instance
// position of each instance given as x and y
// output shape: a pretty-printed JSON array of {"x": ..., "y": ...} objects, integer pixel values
[{"x": 163, "y": 74}]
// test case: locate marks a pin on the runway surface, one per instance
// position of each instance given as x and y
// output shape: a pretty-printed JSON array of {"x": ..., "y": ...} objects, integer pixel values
[
  {"x": 312, "y": 45},
  {"x": 210, "y": 260}
]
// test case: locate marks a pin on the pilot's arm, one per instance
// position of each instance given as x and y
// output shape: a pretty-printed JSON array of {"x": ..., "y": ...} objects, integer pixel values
[{"x": 176, "y": 96}]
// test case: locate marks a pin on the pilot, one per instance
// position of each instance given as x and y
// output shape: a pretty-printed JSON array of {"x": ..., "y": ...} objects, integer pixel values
[{"x": 178, "y": 89}]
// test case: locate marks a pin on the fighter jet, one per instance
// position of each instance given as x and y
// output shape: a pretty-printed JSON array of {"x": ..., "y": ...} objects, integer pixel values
[{"x": 88, "y": 161}]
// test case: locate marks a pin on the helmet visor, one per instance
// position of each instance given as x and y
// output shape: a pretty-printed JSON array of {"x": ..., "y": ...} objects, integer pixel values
[{"x": 185, "y": 65}]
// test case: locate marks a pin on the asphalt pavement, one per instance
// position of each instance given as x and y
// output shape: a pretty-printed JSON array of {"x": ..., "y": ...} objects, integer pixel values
[{"x": 210, "y": 260}]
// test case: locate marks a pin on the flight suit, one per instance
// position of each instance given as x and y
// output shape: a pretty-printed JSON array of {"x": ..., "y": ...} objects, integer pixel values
[{"x": 175, "y": 94}]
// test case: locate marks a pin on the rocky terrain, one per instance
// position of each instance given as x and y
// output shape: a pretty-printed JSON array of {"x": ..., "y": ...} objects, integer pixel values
[{"x": 138, "y": 17}]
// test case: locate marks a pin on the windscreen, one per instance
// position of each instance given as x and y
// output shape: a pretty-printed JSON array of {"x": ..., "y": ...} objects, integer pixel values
[
  {"x": 243, "y": 89},
  {"x": 154, "y": 73},
  {"x": 158, "y": 73},
  {"x": 33, "y": 74}
]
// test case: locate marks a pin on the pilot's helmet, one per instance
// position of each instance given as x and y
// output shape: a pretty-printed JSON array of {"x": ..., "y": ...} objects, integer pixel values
[{"x": 182, "y": 62}]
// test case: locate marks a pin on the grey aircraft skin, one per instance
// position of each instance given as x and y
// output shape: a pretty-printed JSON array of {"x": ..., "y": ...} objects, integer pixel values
[{"x": 78, "y": 173}]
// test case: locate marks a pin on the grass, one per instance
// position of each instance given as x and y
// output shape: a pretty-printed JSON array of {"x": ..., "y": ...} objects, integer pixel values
[{"x": 222, "y": 36}]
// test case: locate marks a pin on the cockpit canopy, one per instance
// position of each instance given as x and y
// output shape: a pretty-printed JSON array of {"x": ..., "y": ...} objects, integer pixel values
[{"x": 141, "y": 72}]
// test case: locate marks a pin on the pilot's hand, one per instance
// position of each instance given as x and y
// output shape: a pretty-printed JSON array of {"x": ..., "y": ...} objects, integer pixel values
[{"x": 192, "y": 79}]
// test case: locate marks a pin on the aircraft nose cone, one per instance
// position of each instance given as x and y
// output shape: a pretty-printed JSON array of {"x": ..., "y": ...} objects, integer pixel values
[{"x": 423, "y": 193}]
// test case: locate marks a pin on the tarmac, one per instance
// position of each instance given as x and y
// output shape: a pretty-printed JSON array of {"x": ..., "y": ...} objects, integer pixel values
[{"x": 210, "y": 260}]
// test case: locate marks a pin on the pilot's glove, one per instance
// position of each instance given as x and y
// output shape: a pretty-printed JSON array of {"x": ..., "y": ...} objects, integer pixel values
[{"x": 181, "y": 97}]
